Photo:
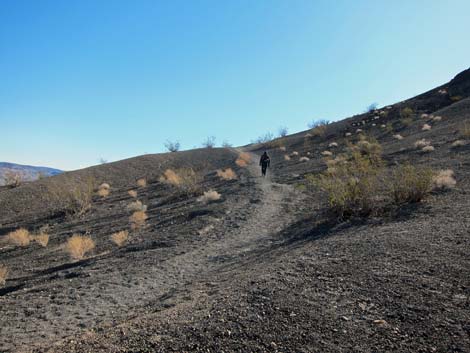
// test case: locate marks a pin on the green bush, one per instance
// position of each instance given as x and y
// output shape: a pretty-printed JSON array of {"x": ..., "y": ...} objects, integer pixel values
[{"x": 409, "y": 184}]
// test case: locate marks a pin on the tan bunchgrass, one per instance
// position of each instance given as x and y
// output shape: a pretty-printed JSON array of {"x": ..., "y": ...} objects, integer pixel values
[
  {"x": 333, "y": 144},
  {"x": 209, "y": 196},
  {"x": 458, "y": 143},
  {"x": 427, "y": 149},
  {"x": 19, "y": 237},
  {"x": 142, "y": 182},
  {"x": 226, "y": 174},
  {"x": 304, "y": 159},
  {"x": 424, "y": 116},
  {"x": 119, "y": 238},
  {"x": 347, "y": 134},
  {"x": 103, "y": 192},
  {"x": 295, "y": 153},
  {"x": 465, "y": 129},
  {"x": 136, "y": 206},
  {"x": 422, "y": 143},
  {"x": 3, "y": 274},
  {"x": 138, "y": 219},
  {"x": 132, "y": 193},
  {"x": 444, "y": 179},
  {"x": 41, "y": 238},
  {"x": 398, "y": 137},
  {"x": 286, "y": 157},
  {"x": 170, "y": 177},
  {"x": 78, "y": 245},
  {"x": 241, "y": 163},
  {"x": 243, "y": 159},
  {"x": 326, "y": 154},
  {"x": 426, "y": 127},
  {"x": 104, "y": 186},
  {"x": 437, "y": 118},
  {"x": 282, "y": 148}
]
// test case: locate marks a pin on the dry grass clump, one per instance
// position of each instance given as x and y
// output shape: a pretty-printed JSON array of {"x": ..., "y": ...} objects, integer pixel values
[
  {"x": 12, "y": 179},
  {"x": 424, "y": 116},
  {"x": 333, "y": 144},
  {"x": 326, "y": 154},
  {"x": 138, "y": 219},
  {"x": 170, "y": 177},
  {"x": 444, "y": 179},
  {"x": 426, "y": 127},
  {"x": 410, "y": 184},
  {"x": 286, "y": 157},
  {"x": 427, "y": 149},
  {"x": 295, "y": 153},
  {"x": 41, "y": 238},
  {"x": 3, "y": 274},
  {"x": 19, "y": 237},
  {"x": 407, "y": 113},
  {"x": 132, "y": 193},
  {"x": 142, "y": 182},
  {"x": 78, "y": 245},
  {"x": 422, "y": 143},
  {"x": 185, "y": 178},
  {"x": 282, "y": 148},
  {"x": 243, "y": 159},
  {"x": 209, "y": 196},
  {"x": 347, "y": 134},
  {"x": 119, "y": 238},
  {"x": 136, "y": 206},
  {"x": 458, "y": 143},
  {"x": 103, "y": 190},
  {"x": 436, "y": 118},
  {"x": 398, "y": 137},
  {"x": 406, "y": 121},
  {"x": 226, "y": 174},
  {"x": 465, "y": 130},
  {"x": 304, "y": 159}
]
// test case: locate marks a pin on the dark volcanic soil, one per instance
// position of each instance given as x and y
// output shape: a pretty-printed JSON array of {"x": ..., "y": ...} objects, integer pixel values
[{"x": 260, "y": 270}]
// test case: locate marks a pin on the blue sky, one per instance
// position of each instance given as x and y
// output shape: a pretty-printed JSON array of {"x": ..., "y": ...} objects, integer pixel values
[{"x": 84, "y": 79}]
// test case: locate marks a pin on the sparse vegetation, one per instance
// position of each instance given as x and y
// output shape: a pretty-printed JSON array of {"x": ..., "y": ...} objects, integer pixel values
[
  {"x": 12, "y": 179},
  {"x": 243, "y": 159},
  {"x": 78, "y": 245},
  {"x": 3, "y": 274},
  {"x": 104, "y": 190},
  {"x": 371, "y": 107},
  {"x": 138, "y": 219},
  {"x": 41, "y": 238},
  {"x": 283, "y": 131},
  {"x": 226, "y": 174},
  {"x": 333, "y": 144},
  {"x": 226, "y": 144},
  {"x": 456, "y": 98},
  {"x": 406, "y": 121},
  {"x": 142, "y": 182},
  {"x": 120, "y": 238},
  {"x": 426, "y": 127},
  {"x": 172, "y": 146},
  {"x": 398, "y": 137},
  {"x": 282, "y": 148},
  {"x": 136, "y": 206},
  {"x": 437, "y": 118},
  {"x": 319, "y": 127},
  {"x": 209, "y": 142},
  {"x": 132, "y": 193},
  {"x": 75, "y": 197},
  {"x": 19, "y": 237},
  {"x": 458, "y": 143},
  {"x": 422, "y": 143},
  {"x": 444, "y": 179},
  {"x": 209, "y": 196},
  {"x": 304, "y": 159},
  {"x": 264, "y": 138},
  {"x": 185, "y": 178},
  {"x": 465, "y": 130},
  {"x": 410, "y": 184},
  {"x": 315, "y": 123},
  {"x": 326, "y": 153},
  {"x": 286, "y": 157},
  {"x": 427, "y": 149},
  {"x": 295, "y": 153},
  {"x": 407, "y": 113}
]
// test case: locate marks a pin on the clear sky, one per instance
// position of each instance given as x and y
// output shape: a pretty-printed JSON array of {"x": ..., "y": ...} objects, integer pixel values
[{"x": 84, "y": 79}]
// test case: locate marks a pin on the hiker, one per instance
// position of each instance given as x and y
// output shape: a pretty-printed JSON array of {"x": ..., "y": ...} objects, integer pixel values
[{"x": 264, "y": 163}]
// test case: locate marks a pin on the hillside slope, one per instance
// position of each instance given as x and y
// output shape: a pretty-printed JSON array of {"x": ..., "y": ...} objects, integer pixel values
[{"x": 261, "y": 269}]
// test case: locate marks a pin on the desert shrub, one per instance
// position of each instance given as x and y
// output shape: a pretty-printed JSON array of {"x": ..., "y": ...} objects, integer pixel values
[
  {"x": 358, "y": 131},
  {"x": 103, "y": 190},
  {"x": 226, "y": 174},
  {"x": 319, "y": 130},
  {"x": 389, "y": 127},
  {"x": 406, "y": 121},
  {"x": 410, "y": 184},
  {"x": 351, "y": 186},
  {"x": 437, "y": 118},
  {"x": 369, "y": 148},
  {"x": 371, "y": 108},
  {"x": 304, "y": 159},
  {"x": 424, "y": 116},
  {"x": 41, "y": 238},
  {"x": 326, "y": 153},
  {"x": 319, "y": 122},
  {"x": 142, "y": 182},
  {"x": 209, "y": 142},
  {"x": 119, "y": 238},
  {"x": 407, "y": 113},
  {"x": 426, "y": 127},
  {"x": 422, "y": 143},
  {"x": 283, "y": 131},
  {"x": 12, "y": 179},
  {"x": 458, "y": 143},
  {"x": 267, "y": 137},
  {"x": 138, "y": 219},
  {"x": 19, "y": 237},
  {"x": 78, "y": 245},
  {"x": 465, "y": 130},
  {"x": 76, "y": 197},
  {"x": 172, "y": 146},
  {"x": 295, "y": 153},
  {"x": 243, "y": 159},
  {"x": 282, "y": 148},
  {"x": 136, "y": 206},
  {"x": 427, "y": 149},
  {"x": 347, "y": 134},
  {"x": 456, "y": 98},
  {"x": 3, "y": 274},
  {"x": 333, "y": 144},
  {"x": 132, "y": 193},
  {"x": 226, "y": 144},
  {"x": 444, "y": 179},
  {"x": 205, "y": 230},
  {"x": 209, "y": 196},
  {"x": 286, "y": 157},
  {"x": 398, "y": 137},
  {"x": 185, "y": 178}
]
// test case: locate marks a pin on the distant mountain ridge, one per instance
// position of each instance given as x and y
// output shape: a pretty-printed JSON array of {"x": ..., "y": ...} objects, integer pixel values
[{"x": 27, "y": 172}]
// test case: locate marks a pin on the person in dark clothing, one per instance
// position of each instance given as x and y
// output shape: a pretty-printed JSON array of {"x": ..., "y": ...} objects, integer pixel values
[{"x": 264, "y": 162}]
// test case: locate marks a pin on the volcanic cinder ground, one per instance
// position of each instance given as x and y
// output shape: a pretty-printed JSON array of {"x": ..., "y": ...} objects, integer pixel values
[{"x": 262, "y": 269}]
